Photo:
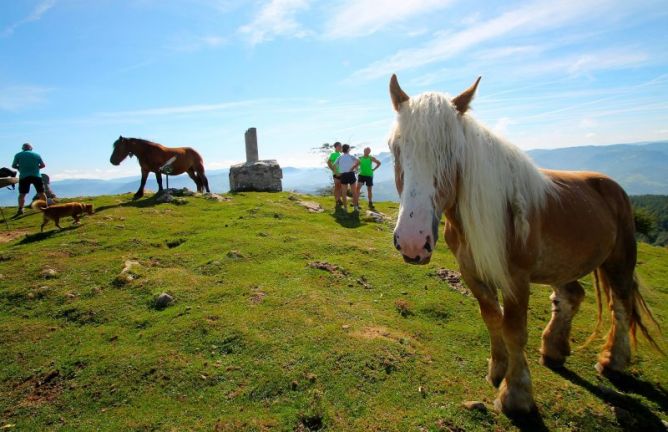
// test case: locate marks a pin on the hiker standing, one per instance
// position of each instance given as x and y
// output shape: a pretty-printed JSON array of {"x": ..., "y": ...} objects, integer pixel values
[
  {"x": 28, "y": 163},
  {"x": 331, "y": 160},
  {"x": 366, "y": 174},
  {"x": 347, "y": 165}
]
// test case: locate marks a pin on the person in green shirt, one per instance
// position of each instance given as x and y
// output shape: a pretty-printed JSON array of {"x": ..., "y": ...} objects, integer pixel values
[
  {"x": 366, "y": 174},
  {"x": 28, "y": 163},
  {"x": 335, "y": 172}
]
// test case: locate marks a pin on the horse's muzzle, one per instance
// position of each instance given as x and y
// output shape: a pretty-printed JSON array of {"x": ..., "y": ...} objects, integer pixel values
[{"x": 418, "y": 260}]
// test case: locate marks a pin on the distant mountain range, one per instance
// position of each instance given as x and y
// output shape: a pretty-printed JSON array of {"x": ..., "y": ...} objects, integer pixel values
[{"x": 640, "y": 168}]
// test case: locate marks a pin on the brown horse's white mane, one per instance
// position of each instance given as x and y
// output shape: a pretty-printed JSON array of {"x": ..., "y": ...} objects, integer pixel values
[{"x": 437, "y": 142}]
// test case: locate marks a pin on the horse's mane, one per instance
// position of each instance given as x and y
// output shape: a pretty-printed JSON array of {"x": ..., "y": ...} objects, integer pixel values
[
  {"x": 493, "y": 177},
  {"x": 141, "y": 141}
]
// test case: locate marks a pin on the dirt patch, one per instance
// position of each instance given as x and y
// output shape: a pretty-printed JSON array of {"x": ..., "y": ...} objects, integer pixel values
[
  {"x": 40, "y": 389},
  {"x": 378, "y": 332},
  {"x": 257, "y": 295},
  {"x": 11, "y": 235},
  {"x": 454, "y": 279},
  {"x": 331, "y": 268}
]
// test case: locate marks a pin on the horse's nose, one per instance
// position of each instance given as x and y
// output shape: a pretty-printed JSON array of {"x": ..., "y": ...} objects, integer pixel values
[
  {"x": 415, "y": 252},
  {"x": 418, "y": 259}
]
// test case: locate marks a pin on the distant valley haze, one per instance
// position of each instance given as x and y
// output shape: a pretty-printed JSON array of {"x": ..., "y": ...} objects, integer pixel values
[{"x": 641, "y": 168}]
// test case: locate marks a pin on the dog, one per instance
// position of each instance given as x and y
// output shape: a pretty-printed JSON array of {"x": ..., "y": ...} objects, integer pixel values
[
  {"x": 6, "y": 172},
  {"x": 55, "y": 212}
]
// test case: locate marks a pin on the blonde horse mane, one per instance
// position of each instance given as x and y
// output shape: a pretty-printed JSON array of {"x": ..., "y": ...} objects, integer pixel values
[{"x": 493, "y": 176}]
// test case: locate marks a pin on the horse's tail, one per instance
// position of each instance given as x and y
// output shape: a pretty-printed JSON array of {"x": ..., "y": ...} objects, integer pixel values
[
  {"x": 39, "y": 205},
  {"x": 599, "y": 305},
  {"x": 639, "y": 308}
]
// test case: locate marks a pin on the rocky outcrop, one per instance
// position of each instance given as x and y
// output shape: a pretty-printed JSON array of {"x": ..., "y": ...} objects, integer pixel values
[{"x": 260, "y": 176}]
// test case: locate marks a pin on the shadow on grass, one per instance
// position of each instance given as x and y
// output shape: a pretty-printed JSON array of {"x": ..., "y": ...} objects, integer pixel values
[
  {"x": 630, "y": 384},
  {"x": 32, "y": 238},
  {"x": 631, "y": 414},
  {"x": 140, "y": 203},
  {"x": 345, "y": 219},
  {"x": 528, "y": 422}
]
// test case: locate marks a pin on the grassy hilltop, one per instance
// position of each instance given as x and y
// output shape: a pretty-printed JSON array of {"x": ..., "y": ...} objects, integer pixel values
[{"x": 259, "y": 338}]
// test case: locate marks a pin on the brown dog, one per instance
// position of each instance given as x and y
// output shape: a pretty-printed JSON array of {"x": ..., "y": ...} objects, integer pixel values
[{"x": 55, "y": 212}]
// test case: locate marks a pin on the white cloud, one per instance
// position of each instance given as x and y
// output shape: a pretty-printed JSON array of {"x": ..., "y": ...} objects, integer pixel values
[
  {"x": 527, "y": 19},
  {"x": 276, "y": 18},
  {"x": 196, "y": 43},
  {"x": 176, "y": 110},
  {"x": 502, "y": 124},
  {"x": 35, "y": 15},
  {"x": 17, "y": 98},
  {"x": 355, "y": 18},
  {"x": 588, "y": 123},
  {"x": 97, "y": 173}
]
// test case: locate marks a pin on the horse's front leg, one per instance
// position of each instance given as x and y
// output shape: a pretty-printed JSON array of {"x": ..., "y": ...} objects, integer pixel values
[
  {"x": 142, "y": 183},
  {"x": 516, "y": 394},
  {"x": 158, "y": 178},
  {"x": 492, "y": 315}
]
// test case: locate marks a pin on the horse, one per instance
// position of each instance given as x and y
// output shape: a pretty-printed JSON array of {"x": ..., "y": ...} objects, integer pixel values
[
  {"x": 510, "y": 224},
  {"x": 152, "y": 158}
]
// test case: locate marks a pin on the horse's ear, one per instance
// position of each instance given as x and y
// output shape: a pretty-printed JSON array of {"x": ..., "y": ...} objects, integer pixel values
[
  {"x": 463, "y": 101},
  {"x": 396, "y": 93}
]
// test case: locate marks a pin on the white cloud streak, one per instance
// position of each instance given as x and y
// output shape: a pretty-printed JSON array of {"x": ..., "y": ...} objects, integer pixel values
[
  {"x": 276, "y": 18},
  {"x": 35, "y": 15},
  {"x": 18, "y": 98},
  {"x": 527, "y": 19},
  {"x": 354, "y": 18},
  {"x": 176, "y": 110}
]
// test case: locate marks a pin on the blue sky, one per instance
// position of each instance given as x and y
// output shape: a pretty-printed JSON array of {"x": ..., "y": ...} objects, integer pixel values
[{"x": 75, "y": 74}]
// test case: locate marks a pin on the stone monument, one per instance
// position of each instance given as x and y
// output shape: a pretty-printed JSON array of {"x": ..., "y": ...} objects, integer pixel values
[{"x": 255, "y": 175}]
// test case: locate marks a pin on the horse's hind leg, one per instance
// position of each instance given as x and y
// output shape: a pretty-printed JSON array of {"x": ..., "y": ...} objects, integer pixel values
[
  {"x": 619, "y": 286},
  {"x": 492, "y": 315},
  {"x": 205, "y": 181},
  {"x": 193, "y": 175},
  {"x": 566, "y": 301}
]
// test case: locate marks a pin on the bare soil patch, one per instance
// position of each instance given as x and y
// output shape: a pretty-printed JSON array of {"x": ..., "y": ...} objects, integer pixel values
[{"x": 11, "y": 235}]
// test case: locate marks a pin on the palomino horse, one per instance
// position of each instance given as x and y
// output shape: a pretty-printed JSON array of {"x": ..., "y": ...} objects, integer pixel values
[
  {"x": 152, "y": 156},
  {"x": 510, "y": 224}
]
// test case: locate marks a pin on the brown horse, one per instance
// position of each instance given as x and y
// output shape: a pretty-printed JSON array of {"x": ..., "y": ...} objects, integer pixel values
[
  {"x": 510, "y": 224},
  {"x": 153, "y": 156}
]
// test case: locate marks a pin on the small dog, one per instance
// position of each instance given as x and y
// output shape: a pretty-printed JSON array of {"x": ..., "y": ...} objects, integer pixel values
[{"x": 54, "y": 213}]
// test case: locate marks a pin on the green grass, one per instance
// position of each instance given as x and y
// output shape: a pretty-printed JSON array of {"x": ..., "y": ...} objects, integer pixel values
[{"x": 258, "y": 340}]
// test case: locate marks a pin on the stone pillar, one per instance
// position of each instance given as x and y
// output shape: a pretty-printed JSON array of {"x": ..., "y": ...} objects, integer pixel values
[
  {"x": 251, "y": 145},
  {"x": 254, "y": 174}
]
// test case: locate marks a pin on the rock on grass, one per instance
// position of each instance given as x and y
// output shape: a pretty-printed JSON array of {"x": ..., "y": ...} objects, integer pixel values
[{"x": 162, "y": 301}]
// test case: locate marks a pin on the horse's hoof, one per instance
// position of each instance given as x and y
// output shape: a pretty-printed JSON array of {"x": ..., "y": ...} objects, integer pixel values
[
  {"x": 515, "y": 408},
  {"x": 607, "y": 370},
  {"x": 552, "y": 363}
]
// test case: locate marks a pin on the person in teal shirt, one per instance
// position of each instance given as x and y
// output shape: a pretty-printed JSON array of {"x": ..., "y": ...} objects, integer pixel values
[
  {"x": 28, "y": 163},
  {"x": 366, "y": 174},
  {"x": 335, "y": 172}
]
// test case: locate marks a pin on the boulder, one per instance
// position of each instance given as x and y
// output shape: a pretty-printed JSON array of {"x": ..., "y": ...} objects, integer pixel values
[
  {"x": 258, "y": 176},
  {"x": 163, "y": 300}
]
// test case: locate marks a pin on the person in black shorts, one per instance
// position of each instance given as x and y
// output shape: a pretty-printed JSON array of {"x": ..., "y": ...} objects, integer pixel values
[
  {"x": 28, "y": 163},
  {"x": 347, "y": 164}
]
